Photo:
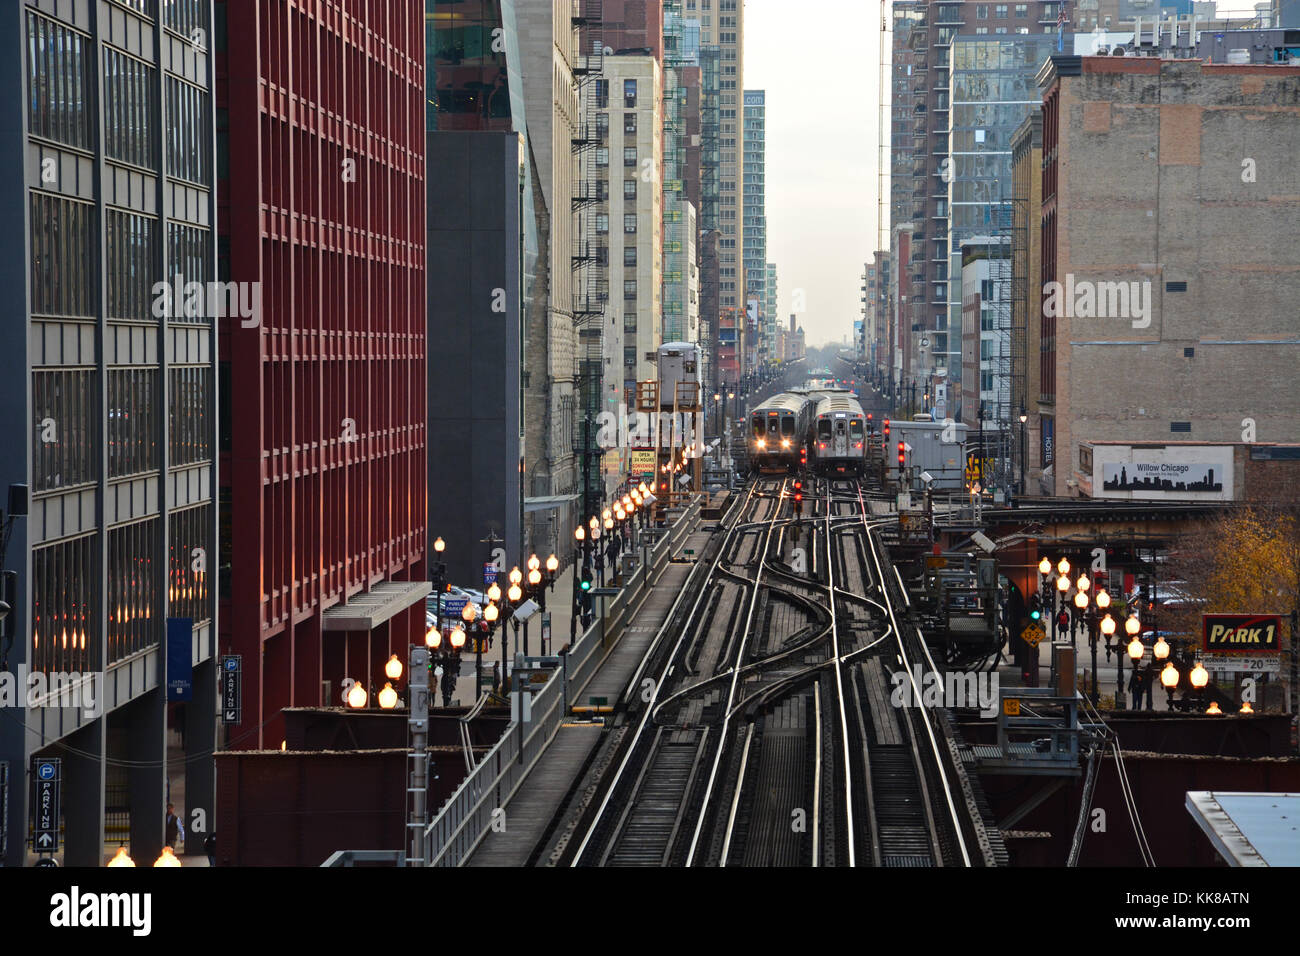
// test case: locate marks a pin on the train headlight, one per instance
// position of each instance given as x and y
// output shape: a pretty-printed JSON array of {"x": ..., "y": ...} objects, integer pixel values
[
  {"x": 785, "y": 443},
  {"x": 760, "y": 444}
]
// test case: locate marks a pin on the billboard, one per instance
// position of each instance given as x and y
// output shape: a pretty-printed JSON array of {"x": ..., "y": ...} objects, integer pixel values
[
  {"x": 1173, "y": 472},
  {"x": 1241, "y": 633}
]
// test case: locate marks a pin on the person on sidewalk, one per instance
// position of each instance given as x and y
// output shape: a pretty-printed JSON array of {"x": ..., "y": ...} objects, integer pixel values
[{"x": 174, "y": 831}]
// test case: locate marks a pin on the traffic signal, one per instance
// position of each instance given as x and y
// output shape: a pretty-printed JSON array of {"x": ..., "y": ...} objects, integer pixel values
[
  {"x": 803, "y": 457},
  {"x": 902, "y": 456},
  {"x": 885, "y": 431},
  {"x": 584, "y": 581},
  {"x": 1035, "y": 608}
]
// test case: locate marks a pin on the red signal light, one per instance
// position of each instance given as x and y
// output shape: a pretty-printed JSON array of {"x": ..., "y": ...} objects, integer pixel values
[{"x": 901, "y": 455}]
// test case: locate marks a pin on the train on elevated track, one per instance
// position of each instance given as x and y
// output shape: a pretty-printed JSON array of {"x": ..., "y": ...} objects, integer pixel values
[{"x": 826, "y": 423}]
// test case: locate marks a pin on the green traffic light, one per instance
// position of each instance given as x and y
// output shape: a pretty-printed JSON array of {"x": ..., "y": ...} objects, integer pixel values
[
  {"x": 586, "y": 585},
  {"x": 1035, "y": 615}
]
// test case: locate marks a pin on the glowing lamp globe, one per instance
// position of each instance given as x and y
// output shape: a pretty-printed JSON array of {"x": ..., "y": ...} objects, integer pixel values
[
  {"x": 534, "y": 562},
  {"x": 1199, "y": 676},
  {"x": 1083, "y": 583},
  {"x": 388, "y": 697},
  {"x": 167, "y": 859},
  {"x": 1169, "y": 676},
  {"x": 433, "y": 639},
  {"x": 490, "y": 613},
  {"x": 552, "y": 564},
  {"x": 1044, "y": 566},
  {"x": 1246, "y": 708},
  {"x": 469, "y": 612},
  {"x": 494, "y": 592},
  {"x": 120, "y": 858},
  {"x": 1063, "y": 567},
  {"x": 357, "y": 696},
  {"x": 439, "y": 545},
  {"x": 1063, "y": 584},
  {"x": 1102, "y": 599},
  {"x": 515, "y": 594},
  {"x": 1081, "y": 600},
  {"x": 534, "y": 577},
  {"x": 393, "y": 669},
  {"x": 457, "y": 637},
  {"x": 1132, "y": 626},
  {"x": 1214, "y": 709},
  {"x": 579, "y": 533},
  {"x": 1135, "y": 649},
  {"x": 1160, "y": 649},
  {"x": 516, "y": 575},
  {"x": 1108, "y": 625}
]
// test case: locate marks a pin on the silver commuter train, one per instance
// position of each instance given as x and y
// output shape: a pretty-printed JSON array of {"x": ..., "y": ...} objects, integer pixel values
[
  {"x": 839, "y": 440},
  {"x": 778, "y": 429}
]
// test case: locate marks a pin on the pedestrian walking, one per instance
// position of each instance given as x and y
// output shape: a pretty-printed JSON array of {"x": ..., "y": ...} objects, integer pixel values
[
  {"x": 210, "y": 848},
  {"x": 174, "y": 830}
]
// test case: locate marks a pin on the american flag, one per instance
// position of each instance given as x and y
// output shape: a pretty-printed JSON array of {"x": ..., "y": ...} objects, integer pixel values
[{"x": 1060, "y": 17}]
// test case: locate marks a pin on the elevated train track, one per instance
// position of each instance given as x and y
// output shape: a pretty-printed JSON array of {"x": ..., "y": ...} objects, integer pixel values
[{"x": 760, "y": 730}]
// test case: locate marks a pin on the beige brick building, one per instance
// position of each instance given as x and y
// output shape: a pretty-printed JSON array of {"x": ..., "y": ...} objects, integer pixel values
[{"x": 1170, "y": 270}]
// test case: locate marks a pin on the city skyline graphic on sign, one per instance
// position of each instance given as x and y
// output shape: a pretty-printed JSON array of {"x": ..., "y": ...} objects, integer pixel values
[{"x": 1159, "y": 477}]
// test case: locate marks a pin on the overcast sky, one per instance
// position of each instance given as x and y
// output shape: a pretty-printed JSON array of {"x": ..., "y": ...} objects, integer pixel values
[{"x": 819, "y": 68}]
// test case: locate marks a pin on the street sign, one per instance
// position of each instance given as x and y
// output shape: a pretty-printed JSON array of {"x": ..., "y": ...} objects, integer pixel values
[
  {"x": 489, "y": 574},
  {"x": 1243, "y": 663},
  {"x": 232, "y": 699},
  {"x": 1032, "y": 634},
  {"x": 49, "y": 779},
  {"x": 452, "y": 606}
]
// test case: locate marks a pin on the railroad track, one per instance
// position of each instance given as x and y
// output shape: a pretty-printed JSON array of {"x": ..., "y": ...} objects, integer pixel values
[{"x": 760, "y": 729}]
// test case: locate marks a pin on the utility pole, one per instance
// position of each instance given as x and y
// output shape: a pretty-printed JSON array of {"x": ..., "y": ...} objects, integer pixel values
[{"x": 418, "y": 724}]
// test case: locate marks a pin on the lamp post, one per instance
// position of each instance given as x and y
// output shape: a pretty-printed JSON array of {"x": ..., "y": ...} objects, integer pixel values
[
  {"x": 514, "y": 597},
  {"x": 1199, "y": 678},
  {"x": 439, "y": 574},
  {"x": 468, "y": 614},
  {"x": 1132, "y": 626}
]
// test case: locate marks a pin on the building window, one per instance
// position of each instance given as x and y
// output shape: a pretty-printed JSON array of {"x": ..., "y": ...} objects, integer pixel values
[
  {"x": 186, "y": 17},
  {"x": 63, "y": 444},
  {"x": 188, "y": 531},
  {"x": 999, "y": 29},
  {"x": 1000, "y": 11},
  {"x": 629, "y": 155},
  {"x": 629, "y": 322},
  {"x": 187, "y": 131},
  {"x": 629, "y": 189},
  {"x": 602, "y": 125},
  {"x": 602, "y": 224},
  {"x": 129, "y": 245},
  {"x": 629, "y": 222},
  {"x": 602, "y": 155},
  {"x": 1022, "y": 9},
  {"x": 602, "y": 94},
  {"x": 63, "y": 606},
  {"x": 57, "y": 83},
  {"x": 629, "y": 255},
  {"x": 187, "y": 256},
  {"x": 629, "y": 94},
  {"x": 981, "y": 12},
  {"x": 133, "y": 624},
  {"x": 132, "y": 421},
  {"x": 62, "y": 266},
  {"x": 629, "y": 122},
  {"x": 981, "y": 30},
  {"x": 629, "y": 355},
  {"x": 128, "y": 109},
  {"x": 187, "y": 415},
  {"x": 629, "y": 290}
]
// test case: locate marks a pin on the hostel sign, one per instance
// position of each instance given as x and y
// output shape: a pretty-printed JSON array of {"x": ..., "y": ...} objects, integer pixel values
[{"x": 1241, "y": 633}]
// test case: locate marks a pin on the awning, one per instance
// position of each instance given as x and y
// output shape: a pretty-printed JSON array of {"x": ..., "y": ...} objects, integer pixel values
[
  {"x": 548, "y": 502},
  {"x": 1249, "y": 829},
  {"x": 366, "y": 611}
]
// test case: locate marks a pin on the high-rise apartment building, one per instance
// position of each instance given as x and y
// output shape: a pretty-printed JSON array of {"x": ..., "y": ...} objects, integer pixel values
[
  {"x": 109, "y": 387},
  {"x": 1168, "y": 298},
  {"x": 754, "y": 222},
  {"x": 324, "y": 469},
  {"x": 922, "y": 78},
  {"x": 633, "y": 224}
]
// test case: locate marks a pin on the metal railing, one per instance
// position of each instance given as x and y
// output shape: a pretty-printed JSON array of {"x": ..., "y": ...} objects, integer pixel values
[{"x": 469, "y": 813}]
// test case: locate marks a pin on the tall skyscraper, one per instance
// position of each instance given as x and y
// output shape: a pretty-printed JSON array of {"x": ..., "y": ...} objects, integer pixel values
[
  {"x": 754, "y": 222},
  {"x": 323, "y": 483},
  {"x": 108, "y": 387}
]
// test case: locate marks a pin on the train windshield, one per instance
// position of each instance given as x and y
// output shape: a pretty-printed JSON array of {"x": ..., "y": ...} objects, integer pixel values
[
  {"x": 758, "y": 426},
  {"x": 855, "y": 428},
  {"x": 787, "y": 426},
  {"x": 823, "y": 428}
]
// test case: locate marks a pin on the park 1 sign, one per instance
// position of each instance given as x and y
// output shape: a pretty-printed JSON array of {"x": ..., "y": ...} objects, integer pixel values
[{"x": 1241, "y": 633}]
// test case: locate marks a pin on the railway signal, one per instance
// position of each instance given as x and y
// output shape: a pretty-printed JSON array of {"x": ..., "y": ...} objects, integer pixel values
[
  {"x": 798, "y": 497},
  {"x": 886, "y": 429},
  {"x": 902, "y": 456},
  {"x": 803, "y": 457}
]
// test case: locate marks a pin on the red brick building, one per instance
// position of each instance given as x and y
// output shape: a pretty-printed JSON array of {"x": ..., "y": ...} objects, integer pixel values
[{"x": 321, "y": 170}]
